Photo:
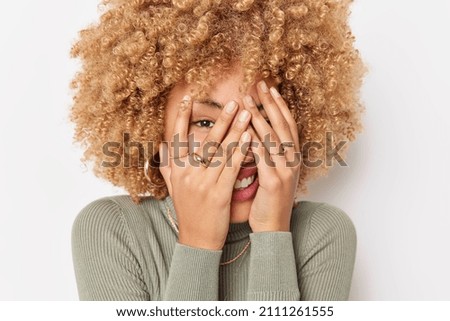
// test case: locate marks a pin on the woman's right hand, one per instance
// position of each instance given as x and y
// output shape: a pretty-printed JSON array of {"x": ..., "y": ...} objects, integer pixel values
[{"x": 202, "y": 195}]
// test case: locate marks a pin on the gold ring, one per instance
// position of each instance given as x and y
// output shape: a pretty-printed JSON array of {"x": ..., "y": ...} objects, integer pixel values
[{"x": 196, "y": 157}]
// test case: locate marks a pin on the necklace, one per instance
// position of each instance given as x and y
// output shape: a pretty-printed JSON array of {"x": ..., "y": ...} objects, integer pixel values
[{"x": 174, "y": 225}]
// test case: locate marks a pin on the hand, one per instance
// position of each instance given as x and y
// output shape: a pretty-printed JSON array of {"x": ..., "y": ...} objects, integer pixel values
[
  {"x": 278, "y": 175},
  {"x": 202, "y": 195}
]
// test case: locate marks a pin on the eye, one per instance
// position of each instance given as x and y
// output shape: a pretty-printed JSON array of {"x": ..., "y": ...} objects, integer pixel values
[{"x": 204, "y": 123}]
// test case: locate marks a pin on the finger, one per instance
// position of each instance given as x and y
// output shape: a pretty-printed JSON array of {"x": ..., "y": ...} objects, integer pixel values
[
  {"x": 212, "y": 141},
  {"x": 287, "y": 116},
  {"x": 266, "y": 133},
  {"x": 276, "y": 117},
  {"x": 266, "y": 167},
  {"x": 230, "y": 172},
  {"x": 279, "y": 121},
  {"x": 225, "y": 149},
  {"x": 164, "y": 166},
  {"x": 179, "y": 146}
]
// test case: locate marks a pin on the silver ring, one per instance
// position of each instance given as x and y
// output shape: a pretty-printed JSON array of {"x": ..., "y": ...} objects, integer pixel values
[
  {"x": 277, "y": 154},
  {"x": 287, "y": 144}
]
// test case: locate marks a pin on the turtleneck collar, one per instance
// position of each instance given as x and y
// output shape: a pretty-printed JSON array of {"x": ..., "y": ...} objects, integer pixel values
[{"x": 236, "y": 231}]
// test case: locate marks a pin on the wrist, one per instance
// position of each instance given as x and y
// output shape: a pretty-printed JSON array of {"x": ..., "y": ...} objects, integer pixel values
[
  {"x": 199, "y": 243},
  {"x": 271, "y": 227}
]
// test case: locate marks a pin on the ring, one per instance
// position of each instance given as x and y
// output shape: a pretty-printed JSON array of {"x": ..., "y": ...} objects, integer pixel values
[
  {"x": 278, "y": 154},
  {"x": 281, "y": 151},
  {"x": 287, "y": 144},
  {"x": 196, "y": 157}
]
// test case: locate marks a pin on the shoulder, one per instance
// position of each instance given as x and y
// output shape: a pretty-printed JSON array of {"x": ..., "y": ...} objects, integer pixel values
[
  {"x": 106, "y": 254},
  {"x": 95, "y": 213},
  {"x": 321, "y": 216},
  {"x": 105, "y": 209},
  {"x": 325, "y": 244},
  {"x": 110, "y": 207},
  {"x": 100, "y": 219},
  {"x": 317, "y": 224},
  {"x": 113, "y": 213}
]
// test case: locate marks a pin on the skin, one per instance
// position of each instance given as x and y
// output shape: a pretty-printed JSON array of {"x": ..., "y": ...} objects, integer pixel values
[{"x": 202, "y": 196}]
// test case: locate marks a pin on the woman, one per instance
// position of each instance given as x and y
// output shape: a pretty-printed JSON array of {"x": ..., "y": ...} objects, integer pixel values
[{"x": 218, "y": 110}]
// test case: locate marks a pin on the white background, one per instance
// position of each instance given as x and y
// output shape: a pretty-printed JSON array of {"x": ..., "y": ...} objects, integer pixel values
[{"x": 396, "y": 188}]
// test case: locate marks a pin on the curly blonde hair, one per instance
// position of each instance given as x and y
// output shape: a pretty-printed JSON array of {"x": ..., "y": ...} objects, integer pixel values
[{"x": 140, "y": 49}]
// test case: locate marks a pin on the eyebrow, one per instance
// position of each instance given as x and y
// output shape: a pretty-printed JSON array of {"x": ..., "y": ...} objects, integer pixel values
[{"x": 215, "y": 104}]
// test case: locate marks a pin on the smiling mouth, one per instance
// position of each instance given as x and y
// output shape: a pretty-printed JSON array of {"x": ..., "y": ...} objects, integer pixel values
[
  {"x": 246, "y": 176},
  {"x": 245, "y": 182},
  {"x": 248, "y": 164}
]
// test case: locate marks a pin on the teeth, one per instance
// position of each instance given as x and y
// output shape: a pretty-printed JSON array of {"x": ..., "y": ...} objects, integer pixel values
[{"x": 240, "y": 184}]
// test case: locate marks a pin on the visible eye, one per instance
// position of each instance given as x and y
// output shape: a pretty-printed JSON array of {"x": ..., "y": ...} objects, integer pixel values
[{"x": 204, "y": 123}]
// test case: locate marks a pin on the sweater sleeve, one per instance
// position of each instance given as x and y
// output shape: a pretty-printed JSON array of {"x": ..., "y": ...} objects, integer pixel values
[
  {"x": 325, "y": 272},
  {"x": 272, "y": 271},
  {"x": 193, "y": 274},
  {"x": 105, "y": 266},
  {"x": 326, "y": 263}
]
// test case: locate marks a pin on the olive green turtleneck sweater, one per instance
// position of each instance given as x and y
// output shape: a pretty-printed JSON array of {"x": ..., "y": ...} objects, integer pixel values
[{"x": 124, "y": 251}]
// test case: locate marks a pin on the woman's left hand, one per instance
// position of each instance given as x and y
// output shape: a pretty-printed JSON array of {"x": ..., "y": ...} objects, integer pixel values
[{"x": 279, "y": 171}]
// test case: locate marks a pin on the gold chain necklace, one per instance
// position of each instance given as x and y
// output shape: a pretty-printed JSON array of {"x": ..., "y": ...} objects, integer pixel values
[{"x": 172, "y": 221}]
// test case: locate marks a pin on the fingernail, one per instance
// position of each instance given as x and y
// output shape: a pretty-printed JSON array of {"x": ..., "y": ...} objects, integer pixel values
[
  {"x": 185, "y": 103},
  {"x": 244, "y": 116},
  {"x": 263, "y": 86},
  {"x": 245, "y": 137},
  {"x": 274, "y": 92},
  {"x": 230, "y": 107},
  {"x": 248, "y": 100}
]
